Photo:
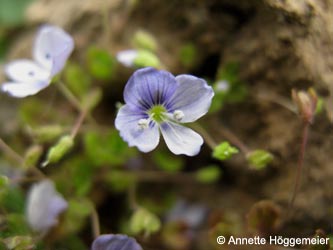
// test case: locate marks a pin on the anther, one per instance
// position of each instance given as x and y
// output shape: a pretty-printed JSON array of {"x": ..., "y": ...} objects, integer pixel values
[
  {"x": 178, "y": 115},
  {"x": 143, "y": 123}
]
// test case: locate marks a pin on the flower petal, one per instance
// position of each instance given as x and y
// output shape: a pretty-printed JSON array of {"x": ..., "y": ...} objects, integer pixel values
[
  {"x": 115, "y": 242},
  {"x": 148, "y": 87},
  {"x": 52, "y": 48},
  {"x": 127, "y": 123},
  {"x": 127, "y": 57},
  {"x": 43, "y": 206},
  {"x": 20, "y": 90},
  {"x": 180, "y": 139},
  {"x": 193, "y": 97},
  {"x": 26, "y": 71}
]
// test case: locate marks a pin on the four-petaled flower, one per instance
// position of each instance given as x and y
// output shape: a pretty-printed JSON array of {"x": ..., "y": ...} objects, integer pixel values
[
  {"x": 51, "y": 50},
  {"x": 156, "y": 100},
  {"x": 44, "y": 204}
]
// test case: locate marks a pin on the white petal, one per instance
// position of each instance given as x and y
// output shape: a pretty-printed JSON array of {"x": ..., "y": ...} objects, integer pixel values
[
  {"x": 180, "y": 139},
  {"x": 193, "y": 97},
  {"x": 52, "y": 48},
  {"x": 127, "y": 57},
  {"x": 44, "y": 204},
  {"x": 146, "y": 139},
  {"x": 26, "y": 71},
  {"x": 20, "y": 90}
]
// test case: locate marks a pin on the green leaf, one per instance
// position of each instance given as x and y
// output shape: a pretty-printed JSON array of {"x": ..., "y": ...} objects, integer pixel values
[
  {"x": 208, "y": 174},
  {"x": 146, "y": 58},
  {"x": 76, "y": 215},
  {"x": 224, "y": 151},
  {"x": 100, "y": 63},
  {"x": 19, "y": 243},
  {"x": 48, "y": 133},
  {"x": 77, "y": 79},
  {"x": 188, "y": 54},
  {"x": 120, "y": 181},
  {"x": 15, "y": 224},
  {"x": 106, "y": 148},
  {"x": 13, "y": 200},
  {"x": 168, "y": 162},
  {"x": 3, "y": 181},
  {"x": 259, "y": 159},
  {"x": 12, "y": 11},
  {"x": 144, "y": 40},
  {"x": 32, "y": 155},
  {"x": 143, "y": 221},
  {"x": 58, "y": 151}
]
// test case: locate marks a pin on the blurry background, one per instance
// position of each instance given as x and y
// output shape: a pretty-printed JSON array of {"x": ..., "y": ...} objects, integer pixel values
[{"x": 252, "y": 52}]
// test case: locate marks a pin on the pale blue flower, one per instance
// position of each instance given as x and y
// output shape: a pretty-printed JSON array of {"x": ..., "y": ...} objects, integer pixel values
[
  {"x": 51, "y": 50},
  {"x": 44, "y": 205},
  {"x": 157, "y": 101},
  {"x": 115, "y": 242}
]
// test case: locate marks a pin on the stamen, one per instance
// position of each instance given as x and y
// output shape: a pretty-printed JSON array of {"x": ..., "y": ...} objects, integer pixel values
[
  {"x": 143, "y": 123},
  {"x": 178, "y": 115}
]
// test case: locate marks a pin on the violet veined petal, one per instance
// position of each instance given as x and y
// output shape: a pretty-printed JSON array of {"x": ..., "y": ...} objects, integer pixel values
[
  {"x": 148, "y": 87},
  {"x": 127, "y": 57},
  {"x": 52, "y": 48},
  {"x": 44, "y": 205},
  {"x": 193, "y": 97},
  {"x": 115, "y": 242},
  {"x": 26, "y": 71},
  {"x": 20, "y": 90},
  {"x": 180, "y": 139},
  {"x": 127, "y": 123}
]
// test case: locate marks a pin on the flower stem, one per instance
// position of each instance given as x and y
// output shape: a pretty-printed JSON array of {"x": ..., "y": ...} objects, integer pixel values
[
  {"x": 300, "y": 162},
  {"x": 69, "y": 95},
  {"x": 132, "y": 196},
  {"x": 78, "y": 123},
  {"x": 95, "y": 222},
  {"x": 18, "y": 158},
  {"x": 208, "y": 139},
  {"x": 230, "y": 136}
]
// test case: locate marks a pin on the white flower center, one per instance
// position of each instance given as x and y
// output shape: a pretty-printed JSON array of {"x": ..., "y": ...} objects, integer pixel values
[
  {"x": 143, "y": 123},
  {"x": 178, "y": 115}
]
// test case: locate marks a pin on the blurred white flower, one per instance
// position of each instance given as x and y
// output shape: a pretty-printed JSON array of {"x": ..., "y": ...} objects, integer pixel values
[
  {"x": 222, "y": 86},
  {"x": 127, "y": 57},
  {"x": 44, "y": 205},
  {"x": 50, "y": 52}
]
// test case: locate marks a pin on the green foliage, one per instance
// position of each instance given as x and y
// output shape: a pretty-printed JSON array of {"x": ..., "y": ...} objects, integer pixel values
[
  {"x": 19, "y": 243},
  {"x": 320, "y": 105},
  {"x": 224, "y": 151},
  {"x": 145, "y": 58},
  {"x": 32, "y": 155},
  {"x": 144, "y": 40},
  {"x": 58, "y": 151},
  {"x": 13, "y": 200},
  {"x": 100, "y": 63},
  {"x": 143, "y": 221},
  {"x": 106, "y": 148},
  {"x": 208, "y": 174},
  {"x": 120, "y": 181},
  {"x": 259, "y": 159},
  {"x": 92, "y": 99},
  {"x": 188, "y": 54},
  {"x": 47, "y": 133},
  {"x": 75, "y": 217},
  {"x": 12, "y": 11},
  {"x": 228, "y": 87},
  {"x": 168, "y": 162},
  {"x": 15, "y": 224},
  {"x": 3, "y": 182},
  {"x": 77, "y": 79}
]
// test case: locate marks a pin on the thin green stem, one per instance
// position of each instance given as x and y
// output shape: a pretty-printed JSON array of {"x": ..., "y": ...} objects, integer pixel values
[
  {"x": 69, "y": 95},
  {"x": 78, "y": 124},
  {"x": 230, "y": 136},
  {"x": 17, "y": 157},
  {"x": 300, "y": 163},
  {"x": 95, "y": 225},
  {"x": 208, "y": 139}
]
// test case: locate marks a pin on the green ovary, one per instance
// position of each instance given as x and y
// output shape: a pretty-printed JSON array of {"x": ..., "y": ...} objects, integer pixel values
[{"x": 157, "y": 113}]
